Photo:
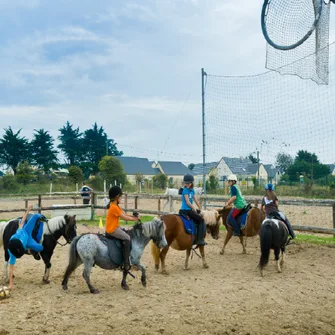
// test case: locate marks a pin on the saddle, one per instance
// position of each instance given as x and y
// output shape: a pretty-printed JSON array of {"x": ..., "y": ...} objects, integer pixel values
[
  {"x": 275, "y": 215},
  {"x": 246, "y": 209}
]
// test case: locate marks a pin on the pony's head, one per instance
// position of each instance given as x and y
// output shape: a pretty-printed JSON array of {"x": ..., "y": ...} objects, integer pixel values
[
  {"x": 212, "y": 220},
  {"x": 70, "y": 231},
  {"x": 155, "y": 230}
]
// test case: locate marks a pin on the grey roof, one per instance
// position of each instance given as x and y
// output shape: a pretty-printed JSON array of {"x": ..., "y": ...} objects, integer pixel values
[
  {"x": 174, "y": 168},
  {"x": 135, "y": 165},
  {"x": 238, "y": 166},
  {"x": 271, "y": 170},
  {"x": 331, "y": 167},
  {"x": 198, "y": 168},
  {"x": 252, "y": 168}
]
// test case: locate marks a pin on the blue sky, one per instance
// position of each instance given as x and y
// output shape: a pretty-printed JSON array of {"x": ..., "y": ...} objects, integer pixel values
[{"x": 131, "y": 66}]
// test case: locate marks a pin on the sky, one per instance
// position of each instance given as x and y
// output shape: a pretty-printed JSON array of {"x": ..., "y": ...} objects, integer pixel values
[{"x": 134, "y": 67}]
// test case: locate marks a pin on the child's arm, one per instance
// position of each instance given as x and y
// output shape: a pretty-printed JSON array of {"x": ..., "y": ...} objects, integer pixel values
[
  {"x": 231, "y": 200},
  {"x": 197, "y": 202},
  {"x": 127, "y": 217},
  {"x": 25, "y": 216}
]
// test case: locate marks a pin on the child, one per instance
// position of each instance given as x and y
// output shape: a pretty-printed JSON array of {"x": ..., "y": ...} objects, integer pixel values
[
  {"x": 21, "y": 241},
  {"x": 85, "y": 192},
  {"x": 187, "y": 198},
  {"x": 270, "y": 203},
  {"x": 237, "y": 199},
  {"x": 113, "y": 223}
]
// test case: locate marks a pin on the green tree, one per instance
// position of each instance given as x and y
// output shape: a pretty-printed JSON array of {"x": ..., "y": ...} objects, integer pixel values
[
  {"x": 9, "y": 182},
  {"x": 139, "y": 178},
  {"x": 25, "y": 173},
  {"x": 283, "y": 162},
  {"x": 94, "y": 142},
  {"x": 76, "y": 174},
  {"x": 71, "y": 143},
  {"x": 213, "y": 182},
  {"x": 44, "y": 156},
  {"x": 160, "y": 180},
  {"x": 111, "y": 170},
  {"x": 13, "y": 149},
  {"x": 307, "y": 164},
  {"x": 253, "y": 158},
  {"x": 191, "y": 166}
]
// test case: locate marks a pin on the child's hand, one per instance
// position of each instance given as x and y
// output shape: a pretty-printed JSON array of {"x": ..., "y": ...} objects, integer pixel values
[
  {"x": 139, "y": 216},
  {"x": 30, "y": 207}
]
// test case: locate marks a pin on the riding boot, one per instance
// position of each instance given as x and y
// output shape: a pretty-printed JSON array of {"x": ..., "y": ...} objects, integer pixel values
[
  {"x": 201, "y": 229},
  {"x": 35, "y": 254},
  {"x": 126, "y": 254},
  {"x": 289, "y": 227}
]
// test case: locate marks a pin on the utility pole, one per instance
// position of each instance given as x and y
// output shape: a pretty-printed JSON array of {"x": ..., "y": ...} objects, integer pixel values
[
  {"x": 203, "y": 74},
  {"x": 259, "y": 178}
]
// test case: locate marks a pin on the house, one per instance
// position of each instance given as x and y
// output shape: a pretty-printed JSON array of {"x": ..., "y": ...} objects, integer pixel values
[
  {"x": 273, "y": 174},
  {"x": 199, "y": 170},
  {"x": 174, "y": 170},
  {"x": 133, "y": 166},
  {"x": 332, "y": 169}
]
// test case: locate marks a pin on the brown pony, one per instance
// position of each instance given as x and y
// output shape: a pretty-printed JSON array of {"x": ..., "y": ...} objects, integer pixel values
[
  {"x": 178, "y": 239},
  {"x": 254, "y": 220}
]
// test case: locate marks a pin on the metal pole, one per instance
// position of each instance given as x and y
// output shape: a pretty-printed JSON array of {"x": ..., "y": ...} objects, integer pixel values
[
  {"x": 203, "y": 74},
  {"x": 259, "y": 178}
]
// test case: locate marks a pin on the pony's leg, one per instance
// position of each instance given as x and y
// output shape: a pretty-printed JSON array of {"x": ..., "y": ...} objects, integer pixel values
[
  {"x": 282, "y": 256},
  {"x": 70, "y": 268},
  {"x": 162, "y": 257},
  {"x": 88, "y": 265},
  {"x": 124, "y": 284},
  {"x": 228, "y": 237},
  {"x": 155, "y": 252},
  {"x": 144, "y": 273},
  {"x": 202, "y": 253},
  {"x": 5, "y": 271},
  {"x": 188, "y": 253},
  {"x": 277, "y": 253},
  {"x": 243, "y": 242},
  {"x": 46, "y": 259}
]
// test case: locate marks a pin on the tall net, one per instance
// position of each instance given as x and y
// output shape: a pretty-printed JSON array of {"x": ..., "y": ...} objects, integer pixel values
[
  {"x": 289, "y": 23},
  {"x": 270, "y": 114}
]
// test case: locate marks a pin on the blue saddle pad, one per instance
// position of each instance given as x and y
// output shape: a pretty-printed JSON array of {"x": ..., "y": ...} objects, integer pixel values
[
  {"x": 242, "y": 220},
  {"x": 189, "y": 225}
]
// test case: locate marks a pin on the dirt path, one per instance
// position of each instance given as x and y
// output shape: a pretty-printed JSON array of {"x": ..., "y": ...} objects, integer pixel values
[{"x": 228, "y": 298}]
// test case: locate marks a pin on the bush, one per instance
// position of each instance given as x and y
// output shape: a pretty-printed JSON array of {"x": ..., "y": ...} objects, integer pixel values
[
  {"x": 9, "y": 183},
  {"x": 76, "y": 174}
]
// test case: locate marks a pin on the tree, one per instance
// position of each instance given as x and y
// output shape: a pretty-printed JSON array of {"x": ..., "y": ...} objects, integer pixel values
[
  {"x": 139, "y": 178},
  {"x": 76, "y": 174},
  {"x": 94, "y": 142},
  {"x": 253, "y": 159},
  {"x": 160, "y": 180},
  {"x": 191, "y": 166},
  {"x": 25, "y": 173},
  {"x": 111, "y": 170},
  {"x": 71, "y": 143},
  {"x": 283, "y": 161},
  {"x": 43, "y": 154},
  {"x": 13, "y": 149},
  {"x": 308, "y": 165}
]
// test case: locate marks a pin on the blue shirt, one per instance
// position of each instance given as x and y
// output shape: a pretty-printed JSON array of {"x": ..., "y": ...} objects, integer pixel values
[{"x": 190, "y": 193}]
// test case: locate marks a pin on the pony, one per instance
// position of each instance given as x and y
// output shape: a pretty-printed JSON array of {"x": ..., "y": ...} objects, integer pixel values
[
  {"x": 253, "y": 224},
  {"x": 91, "y": 250},
  {"x": 273, "y": 235},
  {"x": 212, "y": 220},
  {"x": 178, "y": 239},
  {"x": 174, "y": 192},
  {"x": 53, "y": 229}
]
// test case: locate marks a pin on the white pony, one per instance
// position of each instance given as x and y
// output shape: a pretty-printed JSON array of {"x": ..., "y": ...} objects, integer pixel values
[{"x": 174, "y": 192}]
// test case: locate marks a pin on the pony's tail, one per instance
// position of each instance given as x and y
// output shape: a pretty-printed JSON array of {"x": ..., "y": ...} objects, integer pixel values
[
  {"x": 74, "y": 261},
  {"x": 266, "y": 241},
  {"x": 155, "y": 252}
]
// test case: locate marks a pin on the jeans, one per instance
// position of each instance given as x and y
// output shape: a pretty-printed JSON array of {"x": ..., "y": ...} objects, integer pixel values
[
  {"x": 288, "y": 224},
  {"x": 231, "y": 219}
]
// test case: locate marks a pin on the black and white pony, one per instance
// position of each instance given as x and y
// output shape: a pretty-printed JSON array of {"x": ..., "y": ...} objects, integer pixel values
[
  {"x": 52, "y": 230},
  {"x": 273, "y": 235},
  {"x": 91, "y": 250}
]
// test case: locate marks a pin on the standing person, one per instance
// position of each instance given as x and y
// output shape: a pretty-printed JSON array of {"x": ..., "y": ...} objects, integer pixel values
[
  {"x": 238, "y": 202},
  {"x": 187, "y": 207},
  {"x": 21, "y": 241},
  {"x": 85, "y": 192},
  {"x": 113, "y": 223},
  {"x": 270, "y": 204}
]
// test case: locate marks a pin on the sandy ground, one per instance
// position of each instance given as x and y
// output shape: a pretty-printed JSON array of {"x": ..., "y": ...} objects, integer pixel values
[{"x": 228, "y": 298}]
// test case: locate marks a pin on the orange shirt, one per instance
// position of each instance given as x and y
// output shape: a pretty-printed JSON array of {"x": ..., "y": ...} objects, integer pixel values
[{"x": 113, "y": 218}]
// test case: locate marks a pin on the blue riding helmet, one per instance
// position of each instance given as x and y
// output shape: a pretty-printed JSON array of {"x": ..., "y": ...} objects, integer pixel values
[{"x": 269, "y": 187}]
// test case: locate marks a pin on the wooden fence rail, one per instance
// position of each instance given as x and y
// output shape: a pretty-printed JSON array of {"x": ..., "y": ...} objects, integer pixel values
[{"x": 212, "y": 201}]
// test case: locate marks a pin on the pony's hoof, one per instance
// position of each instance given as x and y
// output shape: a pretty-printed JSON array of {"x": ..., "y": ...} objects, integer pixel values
[
  {"x": 46, "y": 281},
  {"x": 125, "y": 287},
  {"x": 244, "y": 252},
  {"x": 221, "y": 252},
  {"x": 156, "y": 267},
  {"x": 95, "y": 291},
  {"x": 64, "y": 287},
  {"x": 164, "y": 272},
  {"x": 144, "y": 284},
  {"x": 205, "y": 266},
  {"x": 186, "y": 268}
]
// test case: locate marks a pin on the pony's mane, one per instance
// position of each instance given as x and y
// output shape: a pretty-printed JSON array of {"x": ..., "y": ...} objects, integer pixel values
[
  {"x": 150, "y": 228},
  {"x": 54, "y": 224}
]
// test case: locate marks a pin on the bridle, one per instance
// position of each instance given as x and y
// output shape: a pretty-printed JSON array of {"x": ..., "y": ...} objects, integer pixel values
[{"x": 56, "y": 240}]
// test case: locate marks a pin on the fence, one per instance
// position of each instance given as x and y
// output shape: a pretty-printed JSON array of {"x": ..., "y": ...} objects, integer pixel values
[{"x": 152, "y": 204}]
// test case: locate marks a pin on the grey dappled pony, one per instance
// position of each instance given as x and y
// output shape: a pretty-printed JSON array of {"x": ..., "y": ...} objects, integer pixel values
[{"x": 90, "y": 250}]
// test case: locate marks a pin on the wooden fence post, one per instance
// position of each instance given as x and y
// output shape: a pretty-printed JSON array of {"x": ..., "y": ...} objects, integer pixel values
[
  {"x": 136, "y": 203},
  {"x": 125, "y": 202},
  {"x": 39, "y": 203},
  {"x": 159, "y": 204},
  {"x": 170, "y": 203},
  {"x": 26, "y": 204},
  {"x": 92, "y": 205},
  {"x": 334, "y": 216}
]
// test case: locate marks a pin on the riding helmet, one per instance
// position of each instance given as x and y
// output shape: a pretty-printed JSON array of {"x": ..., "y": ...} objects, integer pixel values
[
  {"x": 16, "y": 247},
  {"x": 232, "y": 177},
  {"x": 114, "y": 191},
  {"x": 269, "y": 187},
  {"x": 188, "y": 178}
]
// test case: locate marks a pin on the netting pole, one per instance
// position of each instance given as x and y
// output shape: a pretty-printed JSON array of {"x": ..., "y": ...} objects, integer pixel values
[{"x": 203, "y": 74}]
